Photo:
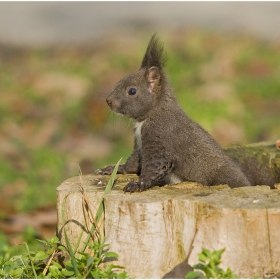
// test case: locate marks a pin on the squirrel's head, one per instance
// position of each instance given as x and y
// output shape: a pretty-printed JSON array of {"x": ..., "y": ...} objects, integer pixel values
[{"x": 136, "y": 94}]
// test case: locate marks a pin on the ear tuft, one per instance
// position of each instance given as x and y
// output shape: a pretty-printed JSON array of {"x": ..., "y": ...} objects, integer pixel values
[{"x": 154, "y": 55}]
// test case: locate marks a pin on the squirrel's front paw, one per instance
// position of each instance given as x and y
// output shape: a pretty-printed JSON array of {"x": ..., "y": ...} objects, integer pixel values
[
  {"x": 108, "y": 170},
  {"x": 134, "y": 187}
]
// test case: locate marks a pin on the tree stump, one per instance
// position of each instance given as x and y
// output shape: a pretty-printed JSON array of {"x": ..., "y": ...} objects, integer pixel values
[{"x": 159, "y": 233}]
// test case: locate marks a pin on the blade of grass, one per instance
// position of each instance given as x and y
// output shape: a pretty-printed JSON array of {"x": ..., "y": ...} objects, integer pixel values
[
  {"x": 101, "y": 205},
  {"x": 28, "y": 252},
  {"x": 49, "y": 263},
  {"x": 69, "y": 248},
  {"x": 112, "y": 178},
  {"x": 86, "y": 200},
  {"x": 64, "y": 223},
  {"x": 87, "y": 212},
  {"x": 73, "y": 260},
  {"x": 78, "y": 242},
  {"x": 107, "y": 190}
]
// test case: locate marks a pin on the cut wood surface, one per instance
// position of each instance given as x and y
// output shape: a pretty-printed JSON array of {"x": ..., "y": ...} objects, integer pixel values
[
  {"x": 156, "y": 230},
  {"x": 159, "y": 232}
]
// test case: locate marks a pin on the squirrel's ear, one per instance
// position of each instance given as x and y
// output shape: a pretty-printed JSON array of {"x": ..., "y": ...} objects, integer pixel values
[{"x": 153, "y": 77}]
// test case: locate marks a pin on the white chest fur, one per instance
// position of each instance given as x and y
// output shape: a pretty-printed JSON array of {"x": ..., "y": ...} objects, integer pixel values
[{"x": 137, "y": 133}]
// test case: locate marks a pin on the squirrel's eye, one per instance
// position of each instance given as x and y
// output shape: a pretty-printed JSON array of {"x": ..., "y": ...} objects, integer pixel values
[{"x": 132, "y": 91}]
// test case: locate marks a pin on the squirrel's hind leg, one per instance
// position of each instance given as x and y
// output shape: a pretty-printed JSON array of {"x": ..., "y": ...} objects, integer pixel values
[{"x": 232, "y": 176}]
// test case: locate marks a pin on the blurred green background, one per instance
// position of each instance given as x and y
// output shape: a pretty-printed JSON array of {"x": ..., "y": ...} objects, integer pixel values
[
  {"x": 54, "y": 115},
  {"x": 54, "y": 118}
]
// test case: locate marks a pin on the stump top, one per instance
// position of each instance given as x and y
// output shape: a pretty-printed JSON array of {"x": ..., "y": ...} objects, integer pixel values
[{"x": 222, "y": 196}]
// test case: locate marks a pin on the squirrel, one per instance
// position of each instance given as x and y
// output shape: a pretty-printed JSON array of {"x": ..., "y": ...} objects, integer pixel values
[{"x": 169, "y": 147}]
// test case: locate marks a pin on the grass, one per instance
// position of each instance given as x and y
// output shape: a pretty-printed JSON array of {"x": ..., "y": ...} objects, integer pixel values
[{"x": 80, "y": 263}]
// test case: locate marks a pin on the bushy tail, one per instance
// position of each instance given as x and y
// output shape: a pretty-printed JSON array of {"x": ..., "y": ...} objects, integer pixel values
[{"x": 260, "y": 164}]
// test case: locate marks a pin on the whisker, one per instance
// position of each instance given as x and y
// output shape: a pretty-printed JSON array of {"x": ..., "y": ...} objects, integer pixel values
[
  {"x": 129, "y": 123},
  {"x": 106, "y": 122}
]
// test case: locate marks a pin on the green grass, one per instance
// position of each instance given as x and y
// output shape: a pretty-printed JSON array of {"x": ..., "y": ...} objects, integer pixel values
[{"x": 43, "y": 261}]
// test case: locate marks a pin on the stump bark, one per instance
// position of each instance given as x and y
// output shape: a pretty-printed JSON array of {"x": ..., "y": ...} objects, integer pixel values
[{"x": 159, "y": 233}]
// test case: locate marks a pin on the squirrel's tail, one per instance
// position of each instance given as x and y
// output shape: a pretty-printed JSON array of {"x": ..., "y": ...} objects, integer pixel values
[{"x": 258, "y": 164}]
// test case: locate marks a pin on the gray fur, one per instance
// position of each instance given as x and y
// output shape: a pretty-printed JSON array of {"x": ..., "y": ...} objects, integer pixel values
[
  {"x": 169, "y": 146},
  {"x": 154, "y": 55}
]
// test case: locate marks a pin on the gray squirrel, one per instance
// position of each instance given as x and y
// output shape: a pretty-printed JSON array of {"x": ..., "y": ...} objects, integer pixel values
[{"x": 169, "y": 147}]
